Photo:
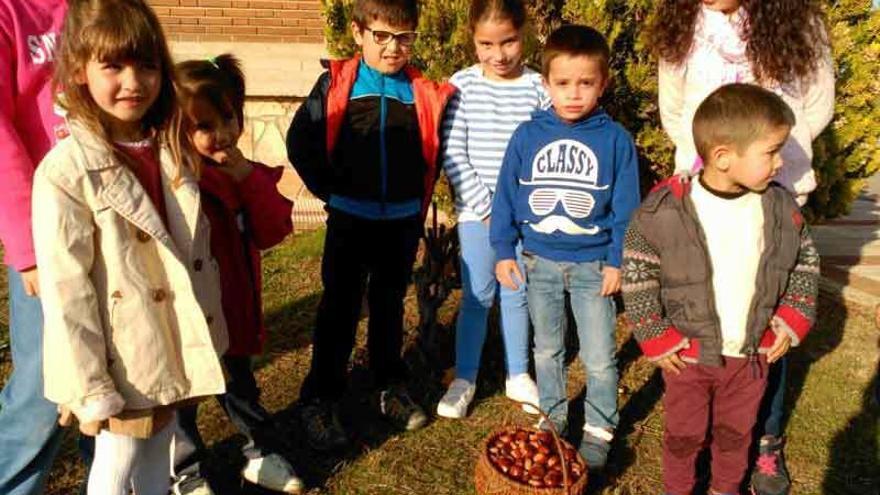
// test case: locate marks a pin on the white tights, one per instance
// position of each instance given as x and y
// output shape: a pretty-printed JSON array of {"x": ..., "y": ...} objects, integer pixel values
[{"x": 124, "y": 463}]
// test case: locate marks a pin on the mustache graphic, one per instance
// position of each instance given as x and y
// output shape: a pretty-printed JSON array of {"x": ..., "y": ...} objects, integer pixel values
[{"x": 553, "y": 223}]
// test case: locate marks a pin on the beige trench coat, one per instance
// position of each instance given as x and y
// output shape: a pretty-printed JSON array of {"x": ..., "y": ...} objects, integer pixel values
[{"x": 131, "y": 308}]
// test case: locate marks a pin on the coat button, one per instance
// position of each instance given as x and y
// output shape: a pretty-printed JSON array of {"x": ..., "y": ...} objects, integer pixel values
[
  {"x": 197, "y": 265},
  {"x": 209, "y": 319},
  {"x": 142, "y": 236},
  {"x": 159, "y": 295}
]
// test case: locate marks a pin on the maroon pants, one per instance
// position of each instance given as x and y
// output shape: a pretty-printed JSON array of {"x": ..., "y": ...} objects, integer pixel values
[{"x": 724, "y": 398}]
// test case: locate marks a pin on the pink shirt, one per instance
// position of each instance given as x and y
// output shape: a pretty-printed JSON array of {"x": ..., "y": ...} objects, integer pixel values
[{"x": 29, "y": 126}]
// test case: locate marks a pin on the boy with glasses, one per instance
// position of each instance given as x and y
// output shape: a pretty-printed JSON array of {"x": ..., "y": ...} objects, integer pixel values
[
  {"x": 366, "y": 141},
  {"x": 567, "y": 187}
]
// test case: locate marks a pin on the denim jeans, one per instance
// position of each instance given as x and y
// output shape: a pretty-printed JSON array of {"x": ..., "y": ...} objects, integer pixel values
[
  {"x": 595, "y": 317},
  {"x": 771, "y": 415},
  {"x": 241, "y": 402},
  {"x": 479, "y": 288},
  {"x": 29, "y": 431}
]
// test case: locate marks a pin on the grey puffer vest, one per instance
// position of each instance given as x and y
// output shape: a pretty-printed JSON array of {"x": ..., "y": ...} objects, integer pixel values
[{"x": 669, "y": 222}]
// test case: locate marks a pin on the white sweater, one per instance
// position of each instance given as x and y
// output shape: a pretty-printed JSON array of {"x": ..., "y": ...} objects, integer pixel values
[
  {"x": 734, "y": 229},
  {"x": 717, "y": 57}
]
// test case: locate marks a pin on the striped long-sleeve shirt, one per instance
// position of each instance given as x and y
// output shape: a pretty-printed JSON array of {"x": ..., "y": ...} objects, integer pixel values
[{"x": 480, "y": 118}]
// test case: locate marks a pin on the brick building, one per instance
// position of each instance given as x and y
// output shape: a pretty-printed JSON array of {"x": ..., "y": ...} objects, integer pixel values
[{"x": 241, "y": 20}]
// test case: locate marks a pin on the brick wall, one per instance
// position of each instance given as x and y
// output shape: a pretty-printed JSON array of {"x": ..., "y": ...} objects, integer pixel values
[{"x": 241, "y": 20}]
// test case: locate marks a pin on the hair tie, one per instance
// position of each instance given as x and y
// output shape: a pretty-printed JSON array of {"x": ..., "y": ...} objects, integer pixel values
[{"x": 213, "y": 61}]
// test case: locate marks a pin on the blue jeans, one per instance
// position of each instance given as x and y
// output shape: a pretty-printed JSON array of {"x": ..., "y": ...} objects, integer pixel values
[
  {"x": 29, "y": 431},
  {"x": 479, "y": 288},
  {"x": 595, "y": 317},
  {"x": 771, "y": 415}
]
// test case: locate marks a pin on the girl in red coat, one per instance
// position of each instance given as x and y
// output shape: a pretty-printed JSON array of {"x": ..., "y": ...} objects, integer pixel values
[{"x": 247, "y": 213}]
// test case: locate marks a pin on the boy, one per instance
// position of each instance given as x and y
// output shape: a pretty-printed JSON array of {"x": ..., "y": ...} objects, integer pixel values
[
  {"x": 720, "y": 278},
  {"x": 365, "y": 141},
  {"x": 567, "y": 187}
]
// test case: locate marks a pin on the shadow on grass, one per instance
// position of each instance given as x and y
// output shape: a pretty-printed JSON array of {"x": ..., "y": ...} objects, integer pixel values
[
  {"x": 854, "y": 453},
  {"x": 290, "y": 328}
]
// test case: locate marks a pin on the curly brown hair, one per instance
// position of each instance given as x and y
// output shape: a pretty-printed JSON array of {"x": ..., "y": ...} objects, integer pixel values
[{"x": 786, "y": 38}]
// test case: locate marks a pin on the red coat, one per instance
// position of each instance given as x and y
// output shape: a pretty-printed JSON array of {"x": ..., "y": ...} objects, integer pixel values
[{"x": 245, "y": 217}]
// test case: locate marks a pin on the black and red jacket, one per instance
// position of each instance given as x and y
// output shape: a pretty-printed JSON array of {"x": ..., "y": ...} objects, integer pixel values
[{"x": 334, "y": 145}]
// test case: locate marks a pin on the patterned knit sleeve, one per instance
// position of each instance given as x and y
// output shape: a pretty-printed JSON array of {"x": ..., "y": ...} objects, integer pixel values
[
  {"x": 797, "y": 307},
  {"x": 655, "y": 333}
]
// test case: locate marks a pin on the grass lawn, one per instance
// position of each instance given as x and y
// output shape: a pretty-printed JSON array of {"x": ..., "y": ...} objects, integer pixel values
[{"x": 833, "y": 429}]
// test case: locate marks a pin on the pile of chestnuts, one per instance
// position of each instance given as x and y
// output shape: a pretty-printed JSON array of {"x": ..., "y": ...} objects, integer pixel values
[{"x": 532, "y": 458}]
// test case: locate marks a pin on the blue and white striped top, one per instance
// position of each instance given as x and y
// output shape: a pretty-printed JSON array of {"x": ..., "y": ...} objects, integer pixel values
[{"x": 480, "y": 118}]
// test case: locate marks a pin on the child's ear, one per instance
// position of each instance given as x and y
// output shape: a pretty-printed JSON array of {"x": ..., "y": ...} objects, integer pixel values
[
  {"x": 357, "y": 33},
  {"x": 79, "y": 77},
  {"x": 606, "y": 83},
  {"x": 720, "y": 157}
]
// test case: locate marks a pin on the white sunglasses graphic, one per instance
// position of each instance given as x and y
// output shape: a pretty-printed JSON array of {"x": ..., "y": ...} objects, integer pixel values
[{"x": 578, "y": 204}]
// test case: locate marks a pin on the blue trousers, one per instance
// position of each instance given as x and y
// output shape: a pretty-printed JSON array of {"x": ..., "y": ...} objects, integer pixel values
[
  {"x": 479, "y": 288},
  {"x": 29, "y": 431},
  {"x": 595, "y": 316}
]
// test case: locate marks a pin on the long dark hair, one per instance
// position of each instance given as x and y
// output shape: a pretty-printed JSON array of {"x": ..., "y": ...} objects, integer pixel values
[{"x": 786, "y": 38}]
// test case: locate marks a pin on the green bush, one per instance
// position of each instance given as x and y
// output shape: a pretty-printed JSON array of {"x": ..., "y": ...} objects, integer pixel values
[{"x": 845, "y": 154}]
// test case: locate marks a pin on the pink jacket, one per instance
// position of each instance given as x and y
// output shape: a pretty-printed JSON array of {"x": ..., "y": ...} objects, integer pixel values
[{"x": 29, "y": 125}]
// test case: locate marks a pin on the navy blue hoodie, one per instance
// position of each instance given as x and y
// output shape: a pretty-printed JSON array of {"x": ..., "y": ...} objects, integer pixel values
[{"x": 566, "y": 189}]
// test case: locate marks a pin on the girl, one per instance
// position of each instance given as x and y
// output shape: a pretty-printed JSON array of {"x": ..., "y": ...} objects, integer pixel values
[
  {"x": 778, "y": 44},
  {"x": 493, "y": 98},
  {"x": 246, "y": 213},
  {"x": 133, "y": 324},
  {"x": 781, "y": 45}
]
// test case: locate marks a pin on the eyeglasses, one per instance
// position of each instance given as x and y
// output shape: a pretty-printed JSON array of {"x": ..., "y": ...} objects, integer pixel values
[
  {"x": 404, "y": 38},
  {"x": 578, "y": 204}
]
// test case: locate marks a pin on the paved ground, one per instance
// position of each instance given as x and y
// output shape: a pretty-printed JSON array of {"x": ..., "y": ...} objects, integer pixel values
[{"x": 850, "y": 249}]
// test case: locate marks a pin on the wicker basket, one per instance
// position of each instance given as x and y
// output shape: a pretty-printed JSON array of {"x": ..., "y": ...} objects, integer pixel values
[{"x": 488, "y": 480}]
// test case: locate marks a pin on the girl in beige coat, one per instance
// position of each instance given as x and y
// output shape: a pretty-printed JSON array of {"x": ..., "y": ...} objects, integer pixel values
[{"x": 130, "y": 292}]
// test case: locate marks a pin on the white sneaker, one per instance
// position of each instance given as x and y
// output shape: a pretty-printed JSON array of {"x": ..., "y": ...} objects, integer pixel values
[
  {"x": 456, "y": 400},
  {"x": 272, "y": 472},
  {"x": 522, "y": 388},
  {"x": 191, "y": 485}
]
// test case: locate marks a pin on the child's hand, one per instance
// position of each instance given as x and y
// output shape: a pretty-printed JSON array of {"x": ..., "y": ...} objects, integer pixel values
[
  {"x": 31, "y": 282},
  {"x": 610, "y": 281},
  {"x": 508, "y": 274},
  {"x": 231, "y": 162},
  {"x": 782, "y": 343},
  {"x": 671, "y": 364}
]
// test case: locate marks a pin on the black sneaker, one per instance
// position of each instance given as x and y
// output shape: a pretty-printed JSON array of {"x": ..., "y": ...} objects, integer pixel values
[
  {"x": 770, "y": 477},
  {"x": 397, "y": 406},
  {"x": 320, "y": 422}
]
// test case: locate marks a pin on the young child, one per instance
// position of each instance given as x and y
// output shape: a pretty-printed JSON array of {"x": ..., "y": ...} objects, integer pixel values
[
  {"x": 782, "y": 46},
  {"x": 130, "y": 293},
  {"x": 246, "y": 214},
  {"x": 29, "y": 127},
  {"x": 711, "y": 305},
  {"x": 493, "y": 98},
  {"x": 366, "y": 141},
  {"x": 566, "y": 190}
]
